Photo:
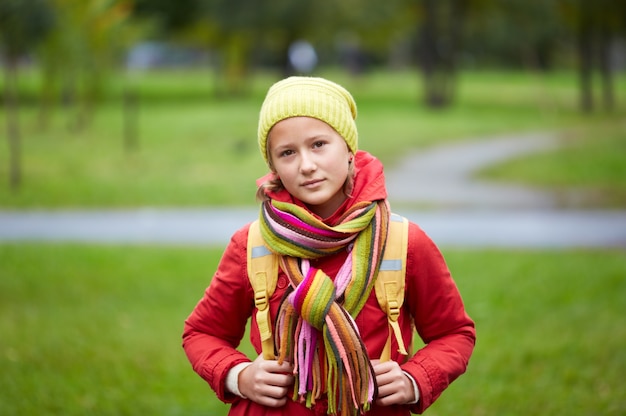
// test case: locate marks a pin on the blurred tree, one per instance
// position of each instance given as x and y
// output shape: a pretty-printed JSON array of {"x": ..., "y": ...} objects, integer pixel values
[
  {"x": 75, "y": 57},
  {"x": 171, "y": 16},
  {"x": 226, "y": 26},
  {"x": 441, "y": 24},
  {"x": 515, "y": 33},
  {"x": 23, "y": 23},
  {"x": 364, "y": 31},
  {"x": 238, "y": 23},
  {"x": 243, "y": 30},
  {"x": 104, "y": 32},
  {"x": 596, "y": 26},
  {"x": 284, "y": 23},
  {"x": 530, "y": 33},
  {"x": 242, "y": 33}
]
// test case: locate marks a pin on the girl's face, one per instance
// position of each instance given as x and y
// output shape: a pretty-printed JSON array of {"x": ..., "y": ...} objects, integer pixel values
[{"x": 312, "y": 161}]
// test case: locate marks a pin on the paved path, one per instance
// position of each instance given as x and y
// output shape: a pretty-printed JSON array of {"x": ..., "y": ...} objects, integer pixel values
[
  {"x": 469, "y": 212},
  {"x": 477, "y": 228},
  {"x": 444, "y": 175}
]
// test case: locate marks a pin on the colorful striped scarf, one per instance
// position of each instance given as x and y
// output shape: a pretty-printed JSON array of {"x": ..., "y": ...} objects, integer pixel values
[{"x": 314, "y": 327}]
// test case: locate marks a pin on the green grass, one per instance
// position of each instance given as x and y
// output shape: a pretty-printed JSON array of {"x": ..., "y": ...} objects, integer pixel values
[
  {"x": 197, "y": 149},
  {"x": 96, "y": 330},
  {"x": 550, "y": 333}
]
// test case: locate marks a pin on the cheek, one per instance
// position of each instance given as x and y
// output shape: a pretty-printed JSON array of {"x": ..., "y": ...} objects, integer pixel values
[
  {"x": 283, "y": 171},
  {"x": 341, "y": 168}
]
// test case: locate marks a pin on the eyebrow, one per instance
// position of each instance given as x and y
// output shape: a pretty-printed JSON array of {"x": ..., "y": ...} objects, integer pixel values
[{"x": 307, "y": 139}]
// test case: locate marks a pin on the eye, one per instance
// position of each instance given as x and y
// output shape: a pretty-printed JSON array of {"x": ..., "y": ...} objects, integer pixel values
[
  {"x": 285, "y": 153},
  {"x": 318, "y": 143}
]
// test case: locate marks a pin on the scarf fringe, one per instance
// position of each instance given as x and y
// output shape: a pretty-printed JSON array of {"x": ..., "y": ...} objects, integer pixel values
[{"x": 349, "y": 377}]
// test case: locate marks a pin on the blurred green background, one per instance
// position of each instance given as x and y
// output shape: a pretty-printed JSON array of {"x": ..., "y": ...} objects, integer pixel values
[{"x": 111, "y": 104}]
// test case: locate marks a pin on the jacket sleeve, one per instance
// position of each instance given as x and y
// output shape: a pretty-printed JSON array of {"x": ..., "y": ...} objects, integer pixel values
[
  {"x": 217, "y": 324},
  {"x": 440, "y": 320}
]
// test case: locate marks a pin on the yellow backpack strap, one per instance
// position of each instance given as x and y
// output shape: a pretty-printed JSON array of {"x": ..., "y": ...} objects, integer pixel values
[
  {"x": 263, "y": 273},
  {"x": 391, "y": 278}
]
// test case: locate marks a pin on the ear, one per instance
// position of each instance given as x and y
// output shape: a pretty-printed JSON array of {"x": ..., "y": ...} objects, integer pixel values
[{"x": 350, "y": 158}]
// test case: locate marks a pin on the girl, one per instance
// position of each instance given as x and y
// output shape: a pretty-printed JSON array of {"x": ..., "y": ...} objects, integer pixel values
[{"x": 324, "y": 213}]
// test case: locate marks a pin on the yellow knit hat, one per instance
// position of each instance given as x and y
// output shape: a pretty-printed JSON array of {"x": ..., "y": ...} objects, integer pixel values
[{"x": 310, "y": 97}]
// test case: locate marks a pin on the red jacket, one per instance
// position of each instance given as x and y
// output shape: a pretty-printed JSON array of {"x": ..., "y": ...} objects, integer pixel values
[{"x": 432, "y": 303}]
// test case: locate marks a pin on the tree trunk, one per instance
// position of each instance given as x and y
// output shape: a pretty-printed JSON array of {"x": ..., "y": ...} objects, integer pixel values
[
  {"x": 585, "y": 56},
  {"x": 438, "y": 44},
  {"x": 46, "y": 98},
  {"x": 606, "y": 74},
  {"x": 428, "y": 54},
  {"x": 236, "y": 52},
  {"x": 11, "y": 103},
  {"x": 130, "y": 109}
]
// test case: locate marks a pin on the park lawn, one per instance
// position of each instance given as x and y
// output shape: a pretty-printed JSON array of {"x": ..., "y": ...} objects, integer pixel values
[
  {"x": 196, "y": 149},
  {"x": 95, "y": 329}
]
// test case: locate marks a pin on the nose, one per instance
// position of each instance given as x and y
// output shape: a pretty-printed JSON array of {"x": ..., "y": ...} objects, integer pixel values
[{"x": 307, "y": 163}]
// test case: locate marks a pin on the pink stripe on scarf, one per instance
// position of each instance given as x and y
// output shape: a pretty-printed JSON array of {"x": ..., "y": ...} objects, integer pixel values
[
  {"x": 343, "y": 277},
  {"x": 307, "y": 241},
  {"x": 292, "y": 219}
]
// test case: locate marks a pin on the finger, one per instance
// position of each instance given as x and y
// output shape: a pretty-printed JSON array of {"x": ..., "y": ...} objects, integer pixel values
[
  {"x": 391, "y": 394},
  {"x": 387, "y": 390},
  {"x": 279, "y": 379},
  {"x": 271, "y": 401},
  {"x": 386, "y": 371},
  {"x": 276, "y": 392},
  {"x": 384, "y": 367},
  {"x": 397, "y": 391},
  {"x": 272, "y": 366}
]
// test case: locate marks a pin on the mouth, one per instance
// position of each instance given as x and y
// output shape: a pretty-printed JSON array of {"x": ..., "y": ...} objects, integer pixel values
[{"x": 312, "y": 183}]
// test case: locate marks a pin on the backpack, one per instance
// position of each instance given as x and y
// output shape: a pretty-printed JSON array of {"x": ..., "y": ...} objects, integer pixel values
[{"x": 389, "y": 285}]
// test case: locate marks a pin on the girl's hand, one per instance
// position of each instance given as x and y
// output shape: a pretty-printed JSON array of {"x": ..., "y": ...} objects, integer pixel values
[
  {"x": 265, "y": 382},
  {"x": 394, "y": 387}
]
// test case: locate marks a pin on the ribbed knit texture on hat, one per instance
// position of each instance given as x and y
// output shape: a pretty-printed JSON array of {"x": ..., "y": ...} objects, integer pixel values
[{"x": 311, "y": 97}]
